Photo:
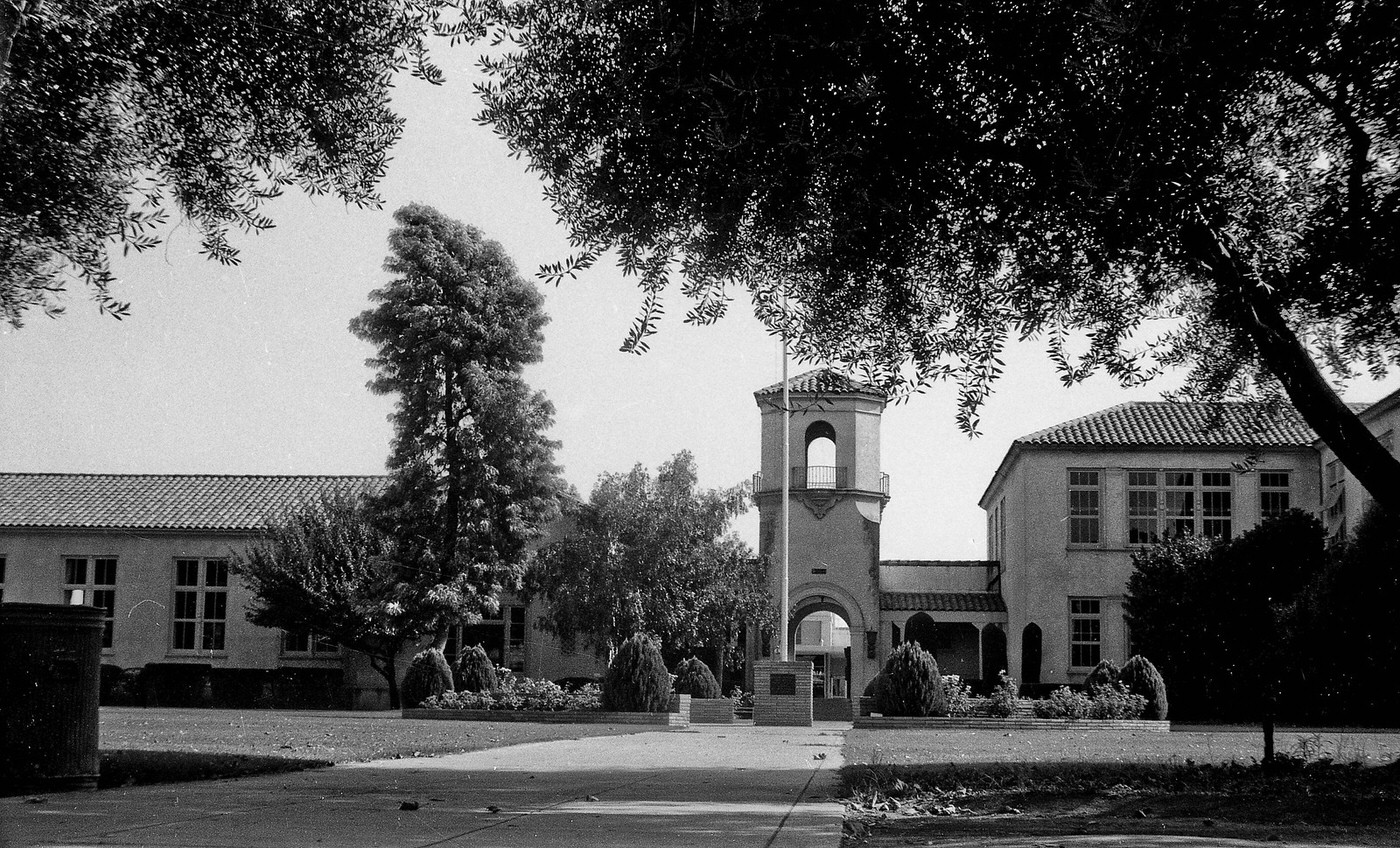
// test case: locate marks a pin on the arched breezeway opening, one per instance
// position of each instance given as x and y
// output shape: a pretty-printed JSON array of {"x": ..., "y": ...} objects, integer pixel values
[
  {"x": 821, "y": 632},
  {"x": 993, "y": 654}
]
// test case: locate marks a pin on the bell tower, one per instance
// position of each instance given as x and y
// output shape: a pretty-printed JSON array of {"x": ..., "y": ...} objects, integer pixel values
[{"x": 837, "y": 495}]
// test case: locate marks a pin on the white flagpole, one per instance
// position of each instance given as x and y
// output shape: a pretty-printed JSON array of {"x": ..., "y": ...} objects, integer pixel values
[{"x": 787, "y": 479}]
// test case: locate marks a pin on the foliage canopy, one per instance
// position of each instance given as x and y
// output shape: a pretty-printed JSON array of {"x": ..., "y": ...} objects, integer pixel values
[
  {"x": 653, "y": 555},
  {"x": 113, "y": 115},
  {"x": 903, "y": 187}
]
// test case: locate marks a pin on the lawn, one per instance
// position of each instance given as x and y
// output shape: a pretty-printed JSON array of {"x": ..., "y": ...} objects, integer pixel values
[
  {"x": 909, "y": 787},
  {"x": 163, "y": 745}
]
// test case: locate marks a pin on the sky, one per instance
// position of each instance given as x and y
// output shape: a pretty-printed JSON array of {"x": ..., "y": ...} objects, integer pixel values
[{"x": 251, "y": 369}]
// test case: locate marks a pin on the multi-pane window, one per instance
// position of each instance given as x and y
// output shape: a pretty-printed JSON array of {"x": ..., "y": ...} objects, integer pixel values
[
  {"x": 1275, "y": 496},
  {"x": 201, "y": 604},
  {"x": 308, "y": 643},
  {"x": 1085, "y": 632},
  {"x": 1336, "y": 490},
  {"x": 96, "y": 579},
  {"x": 1142, "y": 507},
  {"x": 1164, "y": 504},
  {"x": 515, "y": 635},
  {"x": 1084, "y": 507}
]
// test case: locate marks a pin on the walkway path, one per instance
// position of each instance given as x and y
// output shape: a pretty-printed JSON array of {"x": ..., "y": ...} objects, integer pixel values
[{"x": 706, "y": 786}]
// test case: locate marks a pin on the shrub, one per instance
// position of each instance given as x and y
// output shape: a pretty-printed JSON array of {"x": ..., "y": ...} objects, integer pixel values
[
  {"x": 874, "y": 685},
  {"x": 637, "y": 680},
  {"x": 1115, "y": 702},
  {"x": 694, "y": 678},
  {"x": 911, "y": 686},
  {"x": 957, "y": 695},
  {"x": 1104, "y": 674},
  {"x": 1140, "y": 677},
  {"x": 522, "y": 693},
  {"x": 1004, "y": 697},
  {"x": 428, "y": 675},
  {"x": 1063, "y": 703},
  {"x": 476, "y": 672}
]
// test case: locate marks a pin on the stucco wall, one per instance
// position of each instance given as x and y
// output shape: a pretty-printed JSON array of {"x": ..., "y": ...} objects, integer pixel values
[{"x": 1042, "y": 570}]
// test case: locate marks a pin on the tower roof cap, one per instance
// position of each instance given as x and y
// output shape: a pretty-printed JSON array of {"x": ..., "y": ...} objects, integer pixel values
[{"x": 824, "y": 381}]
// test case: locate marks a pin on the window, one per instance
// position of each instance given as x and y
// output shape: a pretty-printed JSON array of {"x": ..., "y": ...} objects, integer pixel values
[
  {"x": 996, "y": 531},
  {"x": 1085, "y": 632},
  {"x": 515, "y": 638},
  {"x": 309, "y": 644},
  {"x": 96, "y": 578},
  {"x": 1168, "y": 503},
  {"x": 201, "y": 604},
  {"x": 1083, "y": 507},
  {"x": 1336, "y": 491},
  {"x": 2, "y": 580},
  {"x": 1142, "y": 507},
  {"x": 1274, "y": 495}
]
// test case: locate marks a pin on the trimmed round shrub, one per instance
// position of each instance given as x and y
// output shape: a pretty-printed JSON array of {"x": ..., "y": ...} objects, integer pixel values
[
  {"x": 912, "y": 685},
  {"x": 637, "y": 680},
  {"x": 695, "y": 679},
  {"x": 1140, "y": 677},
  {"x": 476, "y": 672},
  {"x": 428, "y": 675},
  {"x": 1104, "y": 675}
]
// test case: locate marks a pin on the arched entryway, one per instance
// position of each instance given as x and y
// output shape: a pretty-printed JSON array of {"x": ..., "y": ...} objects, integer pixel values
[
  {"x": 1030, "y": 654},
  {"x": 821, "y": 630}
]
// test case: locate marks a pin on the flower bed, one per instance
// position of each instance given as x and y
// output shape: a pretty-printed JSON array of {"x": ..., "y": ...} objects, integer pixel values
[
  {"x": 1012, "y": 723},
  {"x": 523, "y": 699}
]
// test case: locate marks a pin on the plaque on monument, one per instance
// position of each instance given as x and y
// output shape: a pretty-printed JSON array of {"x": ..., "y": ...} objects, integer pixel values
[{"x": 782, "y": 684}]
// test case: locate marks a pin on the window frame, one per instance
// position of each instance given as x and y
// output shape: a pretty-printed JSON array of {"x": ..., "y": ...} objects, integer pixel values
[
  {"x": 1072, "y": 517},
  {"x": 201, "y": 621},
  {"x": 90, "y": 587},
  {"x": 1077, "y": 616},
  {"x": 514, "y": 643},
  {"x": 1181, "y": 498},
  {"x": 1272, "y": 489},
  {"x": 316, "y": 646}
]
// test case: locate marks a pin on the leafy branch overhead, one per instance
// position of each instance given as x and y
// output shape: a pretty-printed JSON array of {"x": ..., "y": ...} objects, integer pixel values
[
  {"x": 113, "y": 116},
  {"x": 904, "y": 188}
]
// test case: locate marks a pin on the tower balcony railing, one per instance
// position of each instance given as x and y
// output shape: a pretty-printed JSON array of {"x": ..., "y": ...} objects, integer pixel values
[{"x": 811, "y": 477}]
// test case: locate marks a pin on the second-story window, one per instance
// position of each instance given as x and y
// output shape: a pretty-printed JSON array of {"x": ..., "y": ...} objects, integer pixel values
[
  {"x": 1275, "y": 495},
  {"x": 1084, "y": 507},
  {"x": 1167, "y": 503}
]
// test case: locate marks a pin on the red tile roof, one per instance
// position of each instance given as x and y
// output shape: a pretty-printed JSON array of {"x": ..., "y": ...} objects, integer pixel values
[
  {"x": 1168, "y": 424},
  {"x": 161, "y": 501},
  {"x": 943, "y": 601},
  {"x": 823, "y": 381}
]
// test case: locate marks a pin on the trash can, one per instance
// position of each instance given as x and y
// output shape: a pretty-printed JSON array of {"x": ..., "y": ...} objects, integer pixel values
[{"x": 50, "y": 679}]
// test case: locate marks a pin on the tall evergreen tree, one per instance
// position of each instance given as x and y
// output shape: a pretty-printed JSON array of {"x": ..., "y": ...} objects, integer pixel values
[{"x": 472, "y": 475}]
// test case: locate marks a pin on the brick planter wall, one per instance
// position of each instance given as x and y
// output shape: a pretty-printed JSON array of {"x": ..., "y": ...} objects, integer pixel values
[
  {"x": 1013, "y": 723},
  {"x": 712, "y": 710},
  {"x": 674, "y": 719}
]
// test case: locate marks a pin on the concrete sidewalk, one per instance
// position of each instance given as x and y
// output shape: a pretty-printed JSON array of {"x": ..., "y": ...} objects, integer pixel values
[{"x": 706, "y": 786}]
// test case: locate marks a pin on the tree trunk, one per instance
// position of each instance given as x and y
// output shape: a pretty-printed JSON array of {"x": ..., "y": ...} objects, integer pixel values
[
  {"x": 388, "y": 670},
  {"x": 1284, "y": 356},
  {"x": 12, "y": 14}
]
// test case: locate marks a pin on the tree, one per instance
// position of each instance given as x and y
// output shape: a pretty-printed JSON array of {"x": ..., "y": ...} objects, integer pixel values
[
  {"x": 114, "y": 114},
  {"x": 324, "y": 568},
  {"x": 653, "y": 555},
  {"x": 1233, "y": 659},
  {"x": 904, "y": 187},
  {"x": 472, "y": 475}
]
